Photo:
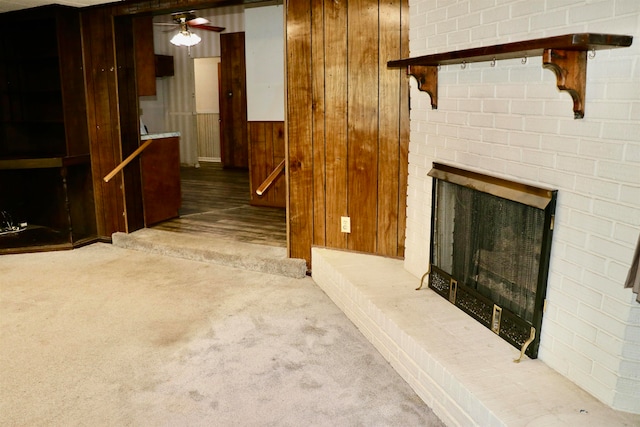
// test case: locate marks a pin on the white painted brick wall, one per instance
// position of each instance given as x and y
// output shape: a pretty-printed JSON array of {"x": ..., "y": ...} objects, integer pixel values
[{"x": 511, "y": 120}]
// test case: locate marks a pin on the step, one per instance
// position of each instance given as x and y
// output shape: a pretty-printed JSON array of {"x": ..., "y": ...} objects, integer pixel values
[{"x": 214, "y": 250}]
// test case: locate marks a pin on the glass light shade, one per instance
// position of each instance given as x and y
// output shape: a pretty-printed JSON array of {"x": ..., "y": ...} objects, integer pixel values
[{"x": 185, "y": 38}]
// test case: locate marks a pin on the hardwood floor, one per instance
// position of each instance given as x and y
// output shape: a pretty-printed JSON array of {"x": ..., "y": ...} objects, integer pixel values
[{"x": 215, "y": 201}]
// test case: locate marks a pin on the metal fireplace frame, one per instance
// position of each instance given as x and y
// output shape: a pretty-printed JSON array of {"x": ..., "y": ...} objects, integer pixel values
[{"x": 522, "y": 334}]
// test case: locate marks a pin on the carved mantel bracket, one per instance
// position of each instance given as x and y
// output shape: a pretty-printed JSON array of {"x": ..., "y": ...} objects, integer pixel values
[
  {"x": 427, "y": 77},
  {"x": 565, "y": 55},
  {"x": 570, "y": 68}
]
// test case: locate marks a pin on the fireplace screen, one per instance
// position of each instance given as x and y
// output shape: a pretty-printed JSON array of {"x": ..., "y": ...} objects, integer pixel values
[{"x": 490, "y": 246}]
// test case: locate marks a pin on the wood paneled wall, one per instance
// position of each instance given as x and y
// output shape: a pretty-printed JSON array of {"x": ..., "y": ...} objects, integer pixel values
[
  {"x": 103, "y": 118},
  {"x": 347, "y": 120},
  {"x": 347, "y": 125},
  {"x": 266, "y": 151}
]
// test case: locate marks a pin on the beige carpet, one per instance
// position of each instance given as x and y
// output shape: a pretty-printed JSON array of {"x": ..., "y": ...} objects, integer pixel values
[{"x": 105, "y": 336}]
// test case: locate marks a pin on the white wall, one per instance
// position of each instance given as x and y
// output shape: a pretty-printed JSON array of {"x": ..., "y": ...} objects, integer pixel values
[
  {"x": 510, "y": 120},
  {"x": 264, "y": 38}
]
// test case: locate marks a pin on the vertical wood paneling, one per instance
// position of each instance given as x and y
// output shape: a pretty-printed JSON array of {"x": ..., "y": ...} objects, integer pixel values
[
  {"x": 145, "y": 56},
  {"x": 353, "y": 130},
  {"x": 338, "y": 130},
  {"x": 363, "y": 123},
  {"x": 389, "y": 149},
  {"x": 335, "y": 122},
  {"x": 258, "y": 158},
  {"x": 75, "y": 113},
  {"x": 403, "y": 173},
  {"x": 319, "y": 111},
  {"x": 299, "y": 130},
  {"x": 266, "y": 151},
  {"x": 128, "y": 119},
  {"x": 102, "y": 118}
]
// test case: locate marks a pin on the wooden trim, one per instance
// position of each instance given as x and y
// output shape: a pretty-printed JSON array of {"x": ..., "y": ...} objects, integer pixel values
[
  {"x": 527, "y": 48},
  {"x": 522, "y": 193}
]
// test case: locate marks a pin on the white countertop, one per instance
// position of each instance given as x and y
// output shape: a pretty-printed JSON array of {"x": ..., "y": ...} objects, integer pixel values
[{"x": 159, "y": 135}]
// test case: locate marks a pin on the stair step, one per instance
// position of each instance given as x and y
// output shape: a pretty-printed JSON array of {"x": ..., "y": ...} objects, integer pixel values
[{"x": 214, "y": 250}]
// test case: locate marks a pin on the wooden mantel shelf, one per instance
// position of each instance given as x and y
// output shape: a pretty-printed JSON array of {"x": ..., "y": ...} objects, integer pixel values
[{"x": 565, "y": 55}]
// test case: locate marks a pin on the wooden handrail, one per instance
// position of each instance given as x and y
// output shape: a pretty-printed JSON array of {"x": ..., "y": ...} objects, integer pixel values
[
  {"x": 126, "y": 161},
  {"x": 270, "y": 179}
]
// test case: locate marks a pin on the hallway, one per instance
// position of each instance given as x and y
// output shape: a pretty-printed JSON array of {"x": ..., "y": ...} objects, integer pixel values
[{"x": 215, "y": 201}]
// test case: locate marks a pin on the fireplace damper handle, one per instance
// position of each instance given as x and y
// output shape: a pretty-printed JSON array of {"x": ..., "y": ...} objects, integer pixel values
[
  {"x": 526, "y": 344},
  {"x": 423, "y": 276}
]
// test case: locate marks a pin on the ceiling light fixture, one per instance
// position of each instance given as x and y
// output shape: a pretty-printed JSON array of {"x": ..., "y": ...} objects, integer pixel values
[{"x": 185, "y": 37}]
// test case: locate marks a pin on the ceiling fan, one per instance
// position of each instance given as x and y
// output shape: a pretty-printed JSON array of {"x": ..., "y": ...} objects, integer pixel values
[
  {"x": 186, "y": 20},
  {"x": 189, "y": 19}
]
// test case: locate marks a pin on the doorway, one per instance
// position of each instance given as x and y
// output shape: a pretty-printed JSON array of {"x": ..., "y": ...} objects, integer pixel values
[
  {"x": 216, "y": 200},
  {"x": 206, "y": 73}
]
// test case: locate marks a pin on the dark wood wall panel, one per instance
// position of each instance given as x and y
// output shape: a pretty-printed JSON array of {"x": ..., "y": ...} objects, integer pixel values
[
  {"x": 102, "y": 112},
  {"x": 71, "y": 66},
  {"x": 348, "y": 144},
  {"x": 144, "y": 54},
  {"x": 128, "y": 109}
]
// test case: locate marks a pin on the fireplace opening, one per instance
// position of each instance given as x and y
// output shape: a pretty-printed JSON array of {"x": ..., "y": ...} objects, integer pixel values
[{"x": 490, "y": 247}]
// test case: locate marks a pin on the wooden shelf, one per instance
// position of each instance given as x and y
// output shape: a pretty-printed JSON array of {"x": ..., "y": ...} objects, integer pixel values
[
  {"x": 565, "y": 55},
  {"x": 43, "y": 163},
  {"x": 45, "y": 166}
]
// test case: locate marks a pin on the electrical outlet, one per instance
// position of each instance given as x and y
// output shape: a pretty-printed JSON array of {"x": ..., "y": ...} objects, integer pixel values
[{"x": 345, "y": 224}]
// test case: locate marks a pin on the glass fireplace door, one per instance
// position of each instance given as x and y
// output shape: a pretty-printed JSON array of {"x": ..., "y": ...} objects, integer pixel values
[{"x": 489, "y": 253}]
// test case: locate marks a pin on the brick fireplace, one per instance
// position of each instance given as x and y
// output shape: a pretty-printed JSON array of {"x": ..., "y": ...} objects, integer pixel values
[{"x": 509, "y": 119}]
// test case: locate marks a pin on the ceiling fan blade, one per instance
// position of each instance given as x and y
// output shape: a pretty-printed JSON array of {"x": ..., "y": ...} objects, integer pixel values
[
  {"x": 208, "y": 28},
  {"x": 198, "y": 21}
]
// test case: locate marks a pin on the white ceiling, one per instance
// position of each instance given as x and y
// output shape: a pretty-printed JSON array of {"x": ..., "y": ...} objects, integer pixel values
[{"x": 8, "y": 5}]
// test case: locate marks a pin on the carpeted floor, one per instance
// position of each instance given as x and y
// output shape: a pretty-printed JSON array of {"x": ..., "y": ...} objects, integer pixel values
[{"x": 105, "y": 336}]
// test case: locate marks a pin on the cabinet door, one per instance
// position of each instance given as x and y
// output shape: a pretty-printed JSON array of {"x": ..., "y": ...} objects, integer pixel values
[{"x": 160, "y": 164}]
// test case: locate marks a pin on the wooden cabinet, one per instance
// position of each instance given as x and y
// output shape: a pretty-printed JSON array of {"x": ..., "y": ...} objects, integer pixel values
[
  {"x": 45, "y": 174},
  {"x": 164, "y": 66},
  {"x": 160, "y": 173}
]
